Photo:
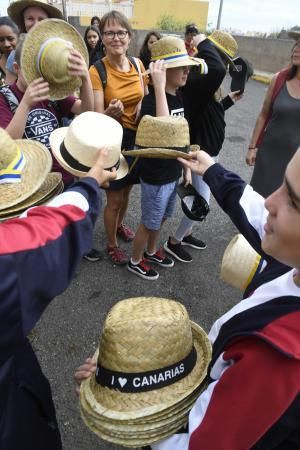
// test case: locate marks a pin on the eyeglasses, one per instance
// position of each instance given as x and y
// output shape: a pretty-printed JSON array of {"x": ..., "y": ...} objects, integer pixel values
[{"x": 111, "y": 34}]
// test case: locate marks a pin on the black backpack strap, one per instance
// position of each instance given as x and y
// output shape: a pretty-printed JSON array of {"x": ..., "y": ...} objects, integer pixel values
[
  {"x": 102, "y": 72},
  {"x": 10, "y": 97},
  {"x": 133, "y": 62}
]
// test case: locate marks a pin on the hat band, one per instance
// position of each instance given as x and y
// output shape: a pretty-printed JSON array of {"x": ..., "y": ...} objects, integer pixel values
[
  {"x": 225, "y": 50},
  {"x": 45, "y": 47},
  {"x": 75, "y": 164},
  {"x": 146, "y": 381},
  {"x": 185, "y": 149},
  {"x": 13, "y": 172},
  {"x": 170, "y": 56}
]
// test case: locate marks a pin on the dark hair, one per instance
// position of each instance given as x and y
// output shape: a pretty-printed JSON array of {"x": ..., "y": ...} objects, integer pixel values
[
  {"x": 19, "y": 47},
  {"x": 116, "y": 16},
  {"x": 292, "y": 69},
  {"x": 191, "y": 28},
  {"x": 6, "y": 21},
  {"x": 97, "y": 52},
  {"x": 95, "y": 18},
  {"x": 91, "y": 28},
  {"x": 145, "y": 54}
]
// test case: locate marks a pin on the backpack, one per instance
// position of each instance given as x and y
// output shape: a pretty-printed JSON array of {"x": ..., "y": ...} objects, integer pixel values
[{"x": 99, "y": 65}]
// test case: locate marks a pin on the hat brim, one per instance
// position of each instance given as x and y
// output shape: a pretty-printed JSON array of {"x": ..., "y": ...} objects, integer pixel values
[
  {"x": 38, "y": 165},
  {"x": 294, "y": 35},
  {"x": 114, "y": 404},
  {"x": 161, "y": 153},
  {"x": 15, "y": 10},
  {"x": 56, "y": 138},
  {"x": 46, "y": 29},
  {"x": 49, "y": 185}
]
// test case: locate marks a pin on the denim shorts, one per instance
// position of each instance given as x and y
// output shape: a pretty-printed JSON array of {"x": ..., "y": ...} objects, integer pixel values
[{"x": 158, "y": 203}]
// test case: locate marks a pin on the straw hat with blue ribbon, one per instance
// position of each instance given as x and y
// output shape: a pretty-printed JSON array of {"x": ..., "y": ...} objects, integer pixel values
[
  {"x": 45, "y": 54},
  {"x": 150, "y": 366},
  {"x": 24, "y": 165},
  {"x": 172, "y": 51}
]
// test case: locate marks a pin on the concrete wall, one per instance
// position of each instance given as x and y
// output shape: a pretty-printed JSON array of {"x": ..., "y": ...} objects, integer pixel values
[{"x": 266, "y": 55}]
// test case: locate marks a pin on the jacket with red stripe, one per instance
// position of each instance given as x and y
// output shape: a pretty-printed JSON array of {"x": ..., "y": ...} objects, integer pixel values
[
  {"x": 39, "y": 254},
  {"x": 252, "y": 401}
]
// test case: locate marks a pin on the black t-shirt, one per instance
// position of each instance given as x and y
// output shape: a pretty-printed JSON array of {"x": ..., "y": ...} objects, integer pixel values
[{"x": 155, "y": 170}]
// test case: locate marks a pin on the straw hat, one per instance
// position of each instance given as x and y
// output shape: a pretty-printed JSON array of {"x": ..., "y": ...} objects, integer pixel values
[
  {"x": 24, "y": 165},
  {"x": 45, "y": 53},
  {"x": 240, "y": 263},
  {"x": 172, "y": 50},
  {"x": 194, "y": 206},
  {"x": 294, "y": 35},
  {"x": 76, "y": 147},
  {"x": 162, "y": 137},
  {"x": 225, "y": 43},
  {"x": 16, "y": 9},
  {"x": 52, "y": 184},
  {"x": 150, "y": 365}
]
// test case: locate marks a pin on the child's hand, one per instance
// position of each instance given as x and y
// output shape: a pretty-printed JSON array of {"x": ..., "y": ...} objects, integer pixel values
[
  {"x": 37, "y": 91},
  {"x": 199, "y": 163},
  {"x": 235, "y": 95},
  {"x": 83, "y": 372},
  {"x": 187, "y": 176},
  {"x": 76, "y": 65},
  {"x": 158, "y": 71}
]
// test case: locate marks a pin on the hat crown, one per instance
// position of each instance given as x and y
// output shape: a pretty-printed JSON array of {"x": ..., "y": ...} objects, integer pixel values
[
  {"x": 225, "y": 42},
  {"x": 163, "y": 132},
  {"x": 144, "y": 334},
  {"x": 91, "y": 131},
  {"x": 8, "y": 149},
  {"x": 167, "y": 46},
  {"x": 52, "y": 60}
]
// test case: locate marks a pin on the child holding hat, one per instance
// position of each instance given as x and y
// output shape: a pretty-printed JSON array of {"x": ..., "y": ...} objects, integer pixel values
[{"x": 169, "y": 71}]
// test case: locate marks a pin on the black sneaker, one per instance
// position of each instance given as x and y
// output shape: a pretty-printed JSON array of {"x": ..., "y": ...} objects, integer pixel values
[
  {"x": 93, "y": 255},
  {"x": 159, "y": 258},
  {"x": 191, "y": 241},
  {"x": 177, "y": 251},
  {"x": 142, "y": 270}
]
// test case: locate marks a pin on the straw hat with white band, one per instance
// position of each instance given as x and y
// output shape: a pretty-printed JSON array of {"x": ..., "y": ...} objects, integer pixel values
[
  {"x": 172, "y": 51},
  {"x": 162, "y": 137},
  {"x": 24, "y": 165},
  {"x": 76, "y": 147},
  {"x": 150, "y": 365},
  {"x": 45, "y": 54},
  {"x": 240, "y": 263},
  {"x": 16, "y": 9}
]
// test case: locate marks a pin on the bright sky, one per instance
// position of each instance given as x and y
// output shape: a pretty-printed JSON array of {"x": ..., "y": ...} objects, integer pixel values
[{"x": 246, "y": 15}]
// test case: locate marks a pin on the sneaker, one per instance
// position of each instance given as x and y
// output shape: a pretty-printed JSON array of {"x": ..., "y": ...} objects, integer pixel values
[
  {"x": 142, "y": 270},
  {"x": 125, "y": 233},
  {"x": 93, "y": 255},
  {"x": 177, "y": 251},
  {"x": 117, "y": 255},
  {"x": 159, "y": 258},
  {"x": 191, "y": 241}
]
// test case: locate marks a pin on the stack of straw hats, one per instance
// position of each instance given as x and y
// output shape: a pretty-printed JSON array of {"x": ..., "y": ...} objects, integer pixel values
[
  {"x": 24, "y": 176},
  {"x": 151, "y": 363}
]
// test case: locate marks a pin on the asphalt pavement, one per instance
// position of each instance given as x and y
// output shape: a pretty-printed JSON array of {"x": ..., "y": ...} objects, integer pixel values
[{"x": 69, "y": 330}]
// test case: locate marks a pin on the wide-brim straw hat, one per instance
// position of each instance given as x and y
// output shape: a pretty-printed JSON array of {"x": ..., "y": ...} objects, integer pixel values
[
  {"x": 38, "y": 164},
  {"x": 240, "y": 263},
  {"x": 76, "y": 147},
  {"x": 52, "y": 185},
  {"x": 162, "y": 137},
  {"x": 16, "y": 8},
  {"x": 173, "y": 52},
  {"x": 294, "y": 35},
  {"x": 49, "y": 43},
  {"x": 226, "y": 44},
  {"x": 143, "y": 336}
]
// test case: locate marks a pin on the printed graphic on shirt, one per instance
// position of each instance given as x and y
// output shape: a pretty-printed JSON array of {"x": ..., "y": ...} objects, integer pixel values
[
  {"x": 39, "y": 125},
  {"x": 177, "y": 112}
]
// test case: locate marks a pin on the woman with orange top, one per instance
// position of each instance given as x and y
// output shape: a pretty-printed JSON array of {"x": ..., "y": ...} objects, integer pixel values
[{"x": 119, "y": 98}]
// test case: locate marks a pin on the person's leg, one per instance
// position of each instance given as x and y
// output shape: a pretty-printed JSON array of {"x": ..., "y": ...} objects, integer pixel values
[
  {"x": 139, "y": 243},
  {"x": 123, "y": 231}
]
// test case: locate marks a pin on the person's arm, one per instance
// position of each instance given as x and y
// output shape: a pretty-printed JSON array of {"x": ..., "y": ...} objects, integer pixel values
[
  {"x": 158, "y": 75},
  {"x": 40, "y": 251},
  {"x": 260, "y": 123},
  {"x": 256, "y": 387},
  {"x": 37, "y": 91},
  {"x": 78, "y": 68},
  {"x": 231, "y": 99}
]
